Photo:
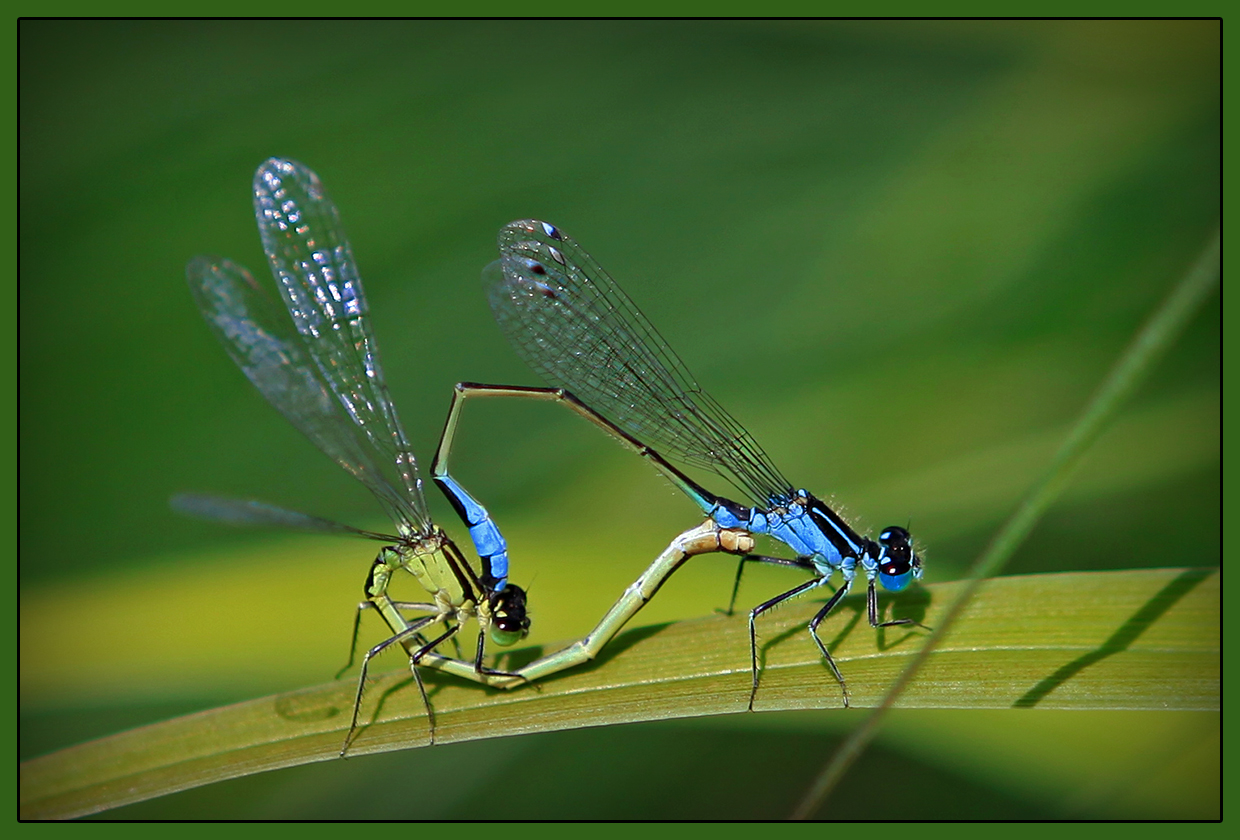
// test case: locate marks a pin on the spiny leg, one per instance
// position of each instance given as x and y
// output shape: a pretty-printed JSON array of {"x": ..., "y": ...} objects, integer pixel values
[
  {"x": 753, "y": 635},
  {"x": 357, "y": 622},
  {"x": 414, "y": 659},
  {"x": 796, "y": 562},
  {"x": 872, "y": 611},
  {"x": 409, "y": 632},
  {"x": 813, "y": 632},
  {"x": 479, "y": 668}
]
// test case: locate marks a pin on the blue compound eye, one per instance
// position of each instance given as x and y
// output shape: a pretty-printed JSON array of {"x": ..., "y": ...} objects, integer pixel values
[
  {"x": 897, "y": 582},
  {"x": 898, "y": 562}
]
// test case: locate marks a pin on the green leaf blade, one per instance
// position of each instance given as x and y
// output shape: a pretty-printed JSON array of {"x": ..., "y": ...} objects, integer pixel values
[{"x": 1143, "y": 639}]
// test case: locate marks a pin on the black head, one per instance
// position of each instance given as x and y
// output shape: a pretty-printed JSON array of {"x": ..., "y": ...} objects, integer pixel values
[
  {"x": 509, "y": 623},
  {"x": 898, "y": 563}
]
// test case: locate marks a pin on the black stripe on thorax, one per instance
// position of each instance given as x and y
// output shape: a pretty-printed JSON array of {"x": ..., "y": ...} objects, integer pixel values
[{"x": 844, "y": 538}]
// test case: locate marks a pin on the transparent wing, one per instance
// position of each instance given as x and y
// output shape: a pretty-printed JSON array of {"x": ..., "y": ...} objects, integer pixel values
[
  {"x": 570, "y": 322},
  {"x": 253, "y": 512},
  {"x": 260, "y": 338},
  {"x": 313, "y": 265}
]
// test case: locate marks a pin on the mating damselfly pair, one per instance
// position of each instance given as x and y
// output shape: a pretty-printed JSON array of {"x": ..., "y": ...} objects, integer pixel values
[{"x": 567, "y": 318}]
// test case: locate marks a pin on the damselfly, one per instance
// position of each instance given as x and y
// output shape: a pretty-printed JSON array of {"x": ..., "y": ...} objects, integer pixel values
[
  {"x": 576, "y": 328},
  {"x": 320, "y": 368}
]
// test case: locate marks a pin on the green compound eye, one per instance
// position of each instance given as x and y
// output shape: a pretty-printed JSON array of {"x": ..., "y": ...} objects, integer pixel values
[
  {"x": 509, "y": 622},
  {"x": 317, "y": 363},
  {"x": 505, "y": 638}
]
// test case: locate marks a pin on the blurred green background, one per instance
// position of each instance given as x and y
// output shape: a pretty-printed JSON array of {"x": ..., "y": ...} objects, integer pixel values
[{"x": 903, "y": 254}]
